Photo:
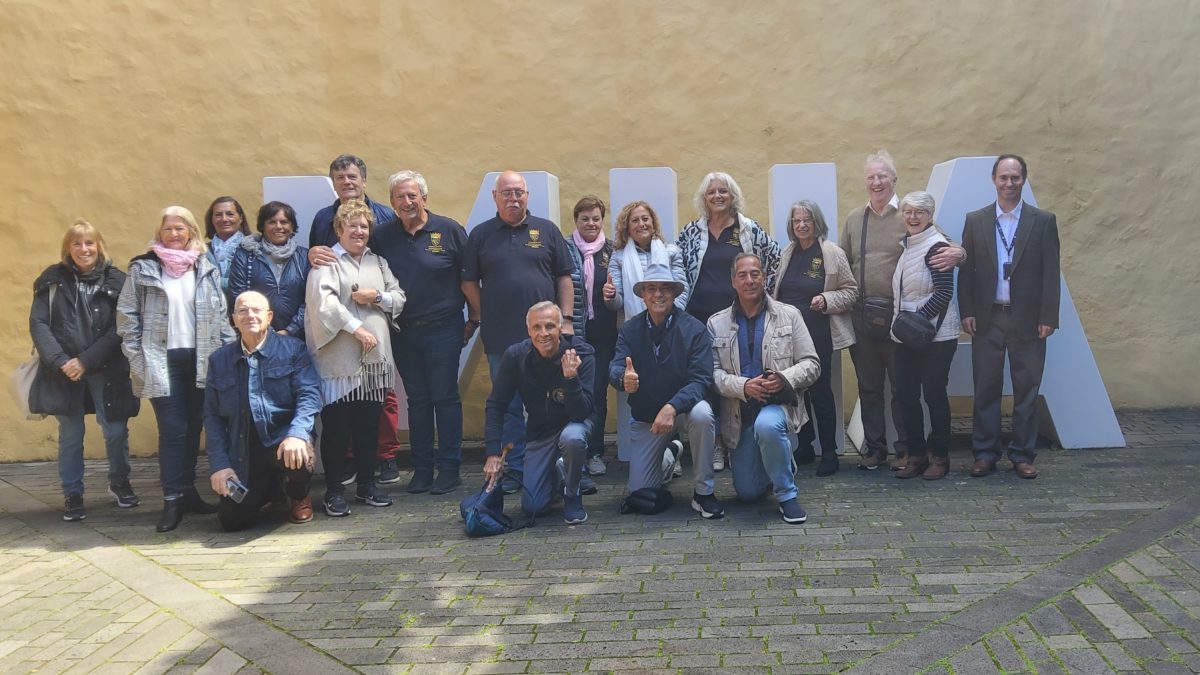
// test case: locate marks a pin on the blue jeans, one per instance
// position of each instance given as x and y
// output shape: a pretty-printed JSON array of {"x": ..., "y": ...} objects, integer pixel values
[
  {"x": 179, "y": 416},
  {"x": 513, "y": 430},
  {"x": 427, "y": 357},
  {"x": 70, "y": 442},
  {"x": 763, "y": 457}
]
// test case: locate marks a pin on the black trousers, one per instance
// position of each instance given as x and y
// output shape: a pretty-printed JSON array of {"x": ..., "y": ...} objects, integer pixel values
[
  {"x": 1026, "y": 359},
  {"x": 819, "y": 400},
  {"x": 352, "y": 425},
  {"x": 873, "y": 365},
  {"x": 924, "y": 373},
  {"x": 262, "y": 485}
]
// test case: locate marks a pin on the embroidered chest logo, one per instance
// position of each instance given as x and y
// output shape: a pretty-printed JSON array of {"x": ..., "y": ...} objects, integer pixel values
[
  {"x": 816, "y": 269},
  {"x": 435, "y": 243},
  {"x": 535, "y": 238},
  {"x": 558, "y": 395},
  {"x": 735, "y": 239},
  {"x": 604, "y": 258}
]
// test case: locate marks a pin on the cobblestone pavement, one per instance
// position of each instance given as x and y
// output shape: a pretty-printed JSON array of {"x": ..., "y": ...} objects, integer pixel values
[{"x": 1093, "y": 567}]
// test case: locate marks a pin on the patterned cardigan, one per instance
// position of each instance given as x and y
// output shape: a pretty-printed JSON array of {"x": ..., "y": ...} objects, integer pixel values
[
  {"x": 693, "y": 242},
  {"x": 142, "y": 323}
]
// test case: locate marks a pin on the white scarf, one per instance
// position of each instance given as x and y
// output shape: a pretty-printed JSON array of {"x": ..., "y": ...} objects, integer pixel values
[{"x": 632, "y": 271}]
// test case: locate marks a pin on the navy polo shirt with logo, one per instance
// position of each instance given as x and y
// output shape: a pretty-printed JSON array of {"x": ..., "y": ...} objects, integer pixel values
[
  {"x": 428, "y": 265},
  {"x": 518, "y": 267}
]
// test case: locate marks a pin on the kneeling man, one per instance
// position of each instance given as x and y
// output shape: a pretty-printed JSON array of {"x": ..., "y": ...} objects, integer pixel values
[
  {"x": 553, "y": 375},
  {"x": 672, "y": 352},
  {"x": 764, "y": 359},
  {"x": 260, "y": 403}
]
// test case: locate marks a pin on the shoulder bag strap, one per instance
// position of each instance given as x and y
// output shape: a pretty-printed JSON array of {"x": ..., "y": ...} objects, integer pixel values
[{"x": 862, "y": 255}]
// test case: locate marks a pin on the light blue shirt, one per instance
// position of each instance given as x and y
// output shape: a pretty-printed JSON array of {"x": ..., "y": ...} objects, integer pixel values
[{"x": 1008, "y": 225}]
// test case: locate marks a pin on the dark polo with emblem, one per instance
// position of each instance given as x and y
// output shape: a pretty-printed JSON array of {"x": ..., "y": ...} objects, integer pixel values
[
  {"x": 428, "y": 265},
  {"x": 551, "y": 401},
  {"x": 517, "y": 267}
]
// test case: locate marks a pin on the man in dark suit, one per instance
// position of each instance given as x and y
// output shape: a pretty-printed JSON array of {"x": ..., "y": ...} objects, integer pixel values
[{"x": 1008, "y": 295}]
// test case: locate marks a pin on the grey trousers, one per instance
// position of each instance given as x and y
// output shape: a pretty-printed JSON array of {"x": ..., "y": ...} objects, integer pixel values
[
  {"x": 540, "y": 475},
  {"x": 1026, "y": 359},
  {"x": 645, "y": 457}
]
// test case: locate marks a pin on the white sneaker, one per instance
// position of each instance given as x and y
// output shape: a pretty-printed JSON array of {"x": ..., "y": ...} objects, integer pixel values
[
  {"x": 719, "y": 460},
  {"x": 668, "y": 465},
  {"x": 678, "y": 470},
  {"x": 595, "y": 466}
]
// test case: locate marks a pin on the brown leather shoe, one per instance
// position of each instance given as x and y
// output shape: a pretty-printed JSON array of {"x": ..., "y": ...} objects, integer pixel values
[
  {"x": 982, "y": 467},
  {"x": 914, "y": 467},
  {"x": 1025, "y": 469},
  {"x": 871, "y": 462},
  {"x": 301, "y": 510},
  {"x": 938, "y": 468},
  {"x": 898, "y": 462}
]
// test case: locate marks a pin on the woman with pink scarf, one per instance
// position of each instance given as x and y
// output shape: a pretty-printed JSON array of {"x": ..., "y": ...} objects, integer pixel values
[
  {"x": 594, "y": 321},
  {"x": 171, "y": 316}
]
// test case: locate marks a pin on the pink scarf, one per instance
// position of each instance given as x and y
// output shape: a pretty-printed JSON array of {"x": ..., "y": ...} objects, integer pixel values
[
  {"x": 589, "y": 265},
  {"x": 175, "y": 261}
]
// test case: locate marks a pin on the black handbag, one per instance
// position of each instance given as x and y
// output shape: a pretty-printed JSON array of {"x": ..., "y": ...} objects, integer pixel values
[
  {"x": 913, "y": 330},
  {"x": 872, "y": 315}
]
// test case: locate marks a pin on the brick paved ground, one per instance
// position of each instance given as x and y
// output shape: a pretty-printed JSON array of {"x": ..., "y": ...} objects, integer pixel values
[{"x": 1093, "y": 567}]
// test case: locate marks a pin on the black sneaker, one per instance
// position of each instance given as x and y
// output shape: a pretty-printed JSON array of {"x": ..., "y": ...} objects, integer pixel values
[
  {"x": 587, "y": 486},
  {"x": 335, "y": 505},
  {"x": 350, "y": 478},
  {"x": 388, "y": 472},
  {"x": 707, "y": 506},
  {"x": 422, "y": 481},
  {"x": 372, "y": 496},
  {"x": 792, "y": 512},
  {"x": 123, "y": 493},
  {"x": 446, "y": 481},
  {"x": 74, "y": 510},
  {"x": 511, "y": 483}
]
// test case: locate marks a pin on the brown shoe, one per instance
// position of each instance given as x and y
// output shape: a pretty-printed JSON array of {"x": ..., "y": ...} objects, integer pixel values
[
  {"x": 914, "y": 467},
  {"x": 301, "y": 510},
  {"x": 938, "y": 468},
  {"x": 898, "y": 462},
  {"x": 871, "y": 462},
  {"x": 1025, "y": 469},
  {"x": 983, "y": 467}
]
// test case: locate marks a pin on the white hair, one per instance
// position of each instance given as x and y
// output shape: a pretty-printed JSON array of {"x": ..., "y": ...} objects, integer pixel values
[
  {"x": 405, "y": 176},
  {"x": 883, "y": 157},
  {"x": 738, "y": 201}
]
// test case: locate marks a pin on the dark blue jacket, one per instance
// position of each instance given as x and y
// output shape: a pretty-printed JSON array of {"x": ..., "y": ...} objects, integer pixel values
[
  {"x": 682, "y": 379},
  {"x": 282, "y": 387},
  {"x": 551, "y": 401},
  {"x": 251, "y": 271},
  {"x": 321, "y": 233}
]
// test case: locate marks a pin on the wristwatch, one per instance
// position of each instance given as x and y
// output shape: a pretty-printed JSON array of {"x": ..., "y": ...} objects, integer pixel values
[{"x": 378, "y": 297}]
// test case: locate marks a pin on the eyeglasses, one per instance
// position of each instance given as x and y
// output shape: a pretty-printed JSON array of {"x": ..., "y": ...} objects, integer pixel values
[{"x": 514, "y": 193}]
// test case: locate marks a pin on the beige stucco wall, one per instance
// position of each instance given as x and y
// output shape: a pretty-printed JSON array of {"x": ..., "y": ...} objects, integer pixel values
[{"x": 112, "y": 110}]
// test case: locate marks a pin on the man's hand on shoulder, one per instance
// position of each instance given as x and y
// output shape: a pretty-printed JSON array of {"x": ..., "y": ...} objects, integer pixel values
[{"x": 320, "y": 256}]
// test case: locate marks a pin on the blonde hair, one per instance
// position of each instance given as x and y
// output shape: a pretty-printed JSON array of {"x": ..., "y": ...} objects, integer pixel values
[
  {"x": 82, "y": 228},
  {"x": 622, "y": 224},
  {"x": 349, "y": 211},
  {"x": 195, "y": 240}
]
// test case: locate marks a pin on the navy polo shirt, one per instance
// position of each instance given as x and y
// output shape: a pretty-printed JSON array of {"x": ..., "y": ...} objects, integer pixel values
[
  {"x": 322, "y": 233},
  {"x": 713, "y": 291},
  {"x": 518, "y": 267},
  {"x": 428, "y": 265}
]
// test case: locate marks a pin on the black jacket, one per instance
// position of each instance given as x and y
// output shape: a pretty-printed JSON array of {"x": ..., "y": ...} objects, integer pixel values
[
  {"x": 60, "y": 335},
  {"x": 682, "y": 378},
  {"x": 551, "y": 401}
]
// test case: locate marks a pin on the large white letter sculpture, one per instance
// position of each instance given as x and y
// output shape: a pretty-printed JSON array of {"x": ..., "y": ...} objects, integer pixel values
[{"x": 1080, "y": 413}]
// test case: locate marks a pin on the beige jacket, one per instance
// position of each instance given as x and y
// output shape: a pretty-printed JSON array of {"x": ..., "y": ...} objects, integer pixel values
[
  {"x": 787, "y": 349},
  {"x": 841, "y": 290}
]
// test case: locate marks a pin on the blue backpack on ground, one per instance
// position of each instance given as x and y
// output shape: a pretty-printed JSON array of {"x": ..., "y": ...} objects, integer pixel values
[{"x": 483, "y": 513}]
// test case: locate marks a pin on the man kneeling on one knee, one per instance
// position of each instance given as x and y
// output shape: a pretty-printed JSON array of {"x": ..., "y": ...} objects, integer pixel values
[
  {"x": 553, "y": 374},
  {"x": 260, "y": 403},
  {"x": 664, "y": 362},
  {"x": 764, "y": 359}
]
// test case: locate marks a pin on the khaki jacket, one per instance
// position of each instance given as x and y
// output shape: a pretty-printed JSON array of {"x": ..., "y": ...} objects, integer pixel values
[
  {"x": 841, "y": 290},
  {"x": 787, "y": 349}
]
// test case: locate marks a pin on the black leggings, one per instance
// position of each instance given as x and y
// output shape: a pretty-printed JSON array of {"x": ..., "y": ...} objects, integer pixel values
[{"x": 354, "y": 426}]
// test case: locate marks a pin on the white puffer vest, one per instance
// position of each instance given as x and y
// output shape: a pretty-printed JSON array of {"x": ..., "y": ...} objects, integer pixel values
[{"x": 918, "y": 282}]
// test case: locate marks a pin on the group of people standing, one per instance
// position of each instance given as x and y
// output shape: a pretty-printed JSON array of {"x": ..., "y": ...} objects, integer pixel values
[{"x": 720, "y": 336}]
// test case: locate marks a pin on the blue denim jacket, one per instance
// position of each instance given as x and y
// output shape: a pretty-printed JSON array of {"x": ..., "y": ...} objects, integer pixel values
[{"x": 284, "y": 391}]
